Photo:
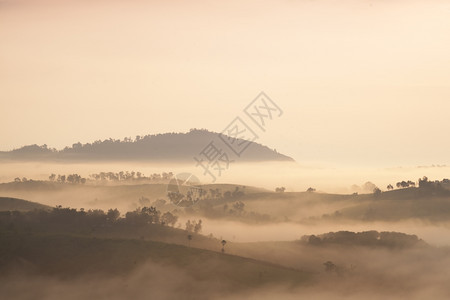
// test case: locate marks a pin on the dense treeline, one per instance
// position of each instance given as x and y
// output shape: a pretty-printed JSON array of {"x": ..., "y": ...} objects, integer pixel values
[
  {"x": 423, "y": 182},
  {"x": 104, "y": 177},
  {"x": 366, "y": 238},
  {"x": 216, "y": 204},
  {"x": 194, "y": 194},
  {"x": 70, "y": 220},
  {"x": 131, "y": 176}
]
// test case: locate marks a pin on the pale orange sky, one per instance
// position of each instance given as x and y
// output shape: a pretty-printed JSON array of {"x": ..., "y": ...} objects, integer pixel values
[{"x": 360, "y": 82}]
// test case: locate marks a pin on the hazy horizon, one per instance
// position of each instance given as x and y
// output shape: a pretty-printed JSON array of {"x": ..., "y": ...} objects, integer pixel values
[
  {"x": 355, "y": 91},
  {"x": 359, "y": 82}
]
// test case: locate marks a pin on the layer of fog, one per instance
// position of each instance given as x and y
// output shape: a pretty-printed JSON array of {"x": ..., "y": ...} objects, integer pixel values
[
  {"x": 294, "y": 176},
  {"x": 386, "y": 275},
  {"x": 438, "y": 235},
  {"x": 152, "y": 280}
]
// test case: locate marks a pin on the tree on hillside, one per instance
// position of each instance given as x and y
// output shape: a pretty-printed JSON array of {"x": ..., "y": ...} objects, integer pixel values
[
  {"x": 193, "y": 226},
  {"x": 405, "y": 184},
  {"x": 311, "y": 190},
  {"x": 198, "y": 226},
  {"x": 189, "y": 226},
  {"x": 223, "y": 242},
  {"x": 369, "y": 186},
  {"x": 280, "y": 189},
  {"x": 113, "y": 215},
  {"x": 175, "y": 197},
  {"x": 390, "y": 187},
  {"x": 376, "y": 192},
  {"x": 424, "y": 183},
  {"x": 169, "y": 219},
  {"x": 61, "y": 178},
  {"x": 145, "y": 215}
]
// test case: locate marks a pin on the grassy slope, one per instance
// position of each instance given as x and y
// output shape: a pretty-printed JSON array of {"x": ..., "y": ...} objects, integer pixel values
[
  {"x": 68, "y": 256},
  {"x": 389, "y": 206},
  {"x": 401, "y": 204}
]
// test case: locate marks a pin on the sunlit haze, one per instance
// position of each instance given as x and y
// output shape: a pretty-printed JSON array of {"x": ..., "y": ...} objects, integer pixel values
[{"x": 360, "y": 82}]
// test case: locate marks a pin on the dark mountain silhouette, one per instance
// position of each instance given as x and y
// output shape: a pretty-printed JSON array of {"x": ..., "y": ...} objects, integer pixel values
[{"x": 174, "y": 147}]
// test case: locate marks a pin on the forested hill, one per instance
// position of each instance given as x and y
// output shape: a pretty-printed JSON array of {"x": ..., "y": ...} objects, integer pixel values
[{"x": 174, "y": 147}]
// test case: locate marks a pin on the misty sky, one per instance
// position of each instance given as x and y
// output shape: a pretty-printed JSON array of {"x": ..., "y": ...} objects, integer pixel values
[{"x": 363, "y": 82}]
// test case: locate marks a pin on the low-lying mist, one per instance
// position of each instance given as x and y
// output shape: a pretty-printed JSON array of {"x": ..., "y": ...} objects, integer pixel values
[
  {"x": 434, "y": 234},
  {"x": 383, "y": 274},
  {"x": 328, "y": 178}
]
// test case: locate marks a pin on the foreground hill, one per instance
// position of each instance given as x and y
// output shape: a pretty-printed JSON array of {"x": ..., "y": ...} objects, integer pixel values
[
  {"x": 173, "y": 147},
  {"x": 137, "y": 267},
  {"x": 69, "y": 256}
]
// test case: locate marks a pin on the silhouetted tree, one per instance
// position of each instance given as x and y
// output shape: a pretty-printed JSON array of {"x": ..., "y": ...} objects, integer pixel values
[
  {"x": 198, "y": 227},
  {"x": 280, "y": 189},
  {"x": 424, "y": 183},
  {"x": 189, "y": 226},
  {"x": 223, "y": 242},
  {"x": 376, "y": 192},
  {"x": 189, "y": 237},
  {"x": 369, "y": 186},
  {"x": 113, "y": 215},
  {"x": 61, "y": 178},
  {"x": 169, "y": 219}
]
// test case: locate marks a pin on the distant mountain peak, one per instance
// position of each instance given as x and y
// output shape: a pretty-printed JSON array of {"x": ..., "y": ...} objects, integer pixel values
[{"x": 173, "y": 146}]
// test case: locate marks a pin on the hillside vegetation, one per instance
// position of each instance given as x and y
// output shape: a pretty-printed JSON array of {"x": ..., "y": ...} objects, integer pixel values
[{"x": 173, "y": 147}]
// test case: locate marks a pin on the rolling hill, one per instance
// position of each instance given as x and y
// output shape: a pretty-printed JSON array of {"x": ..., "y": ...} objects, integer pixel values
[{"x": 185, "y": 273}]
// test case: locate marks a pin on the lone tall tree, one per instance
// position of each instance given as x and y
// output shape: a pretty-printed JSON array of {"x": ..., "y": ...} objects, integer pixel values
[
  {"x": 189, "y": 237},
  {"x": 223, "y": 242}
]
